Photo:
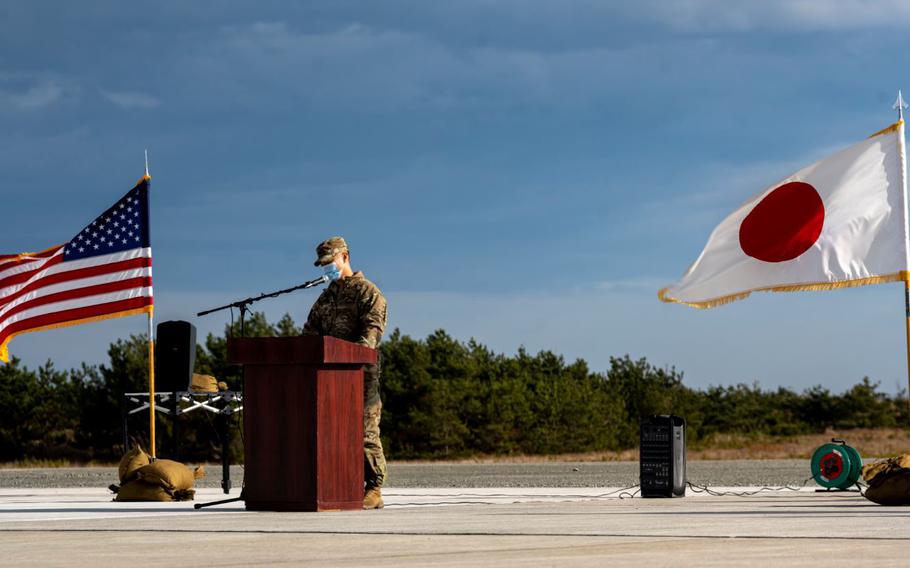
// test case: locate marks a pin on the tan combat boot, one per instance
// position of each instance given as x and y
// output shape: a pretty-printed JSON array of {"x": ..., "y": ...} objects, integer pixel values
[{"x": 373, "y": 499}]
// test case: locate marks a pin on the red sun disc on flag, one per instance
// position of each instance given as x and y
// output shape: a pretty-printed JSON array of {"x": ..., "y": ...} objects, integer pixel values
[{"x": 785, "y": 224}]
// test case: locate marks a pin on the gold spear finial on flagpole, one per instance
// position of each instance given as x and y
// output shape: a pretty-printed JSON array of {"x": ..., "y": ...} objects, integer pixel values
[{"x": 899, "y": 105}]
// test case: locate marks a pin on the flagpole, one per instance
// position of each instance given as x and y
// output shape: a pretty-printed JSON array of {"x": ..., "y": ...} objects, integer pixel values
[
  {"x": 151, "y": 355},
  {"x": 151, "y": 386},
  {"x": 900, "y": 105}
]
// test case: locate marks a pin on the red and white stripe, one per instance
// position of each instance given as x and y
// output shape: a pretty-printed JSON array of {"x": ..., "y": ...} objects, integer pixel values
[{"x": 40, "y": 290}]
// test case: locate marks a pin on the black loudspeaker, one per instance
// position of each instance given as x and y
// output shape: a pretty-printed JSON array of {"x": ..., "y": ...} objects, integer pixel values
[
  {"x": 175, "y": 356},
  {"x": 663, "y": 457}
]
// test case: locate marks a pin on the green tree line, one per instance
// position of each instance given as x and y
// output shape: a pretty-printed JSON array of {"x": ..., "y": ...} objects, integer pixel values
[{"x": 442, "y": 398}]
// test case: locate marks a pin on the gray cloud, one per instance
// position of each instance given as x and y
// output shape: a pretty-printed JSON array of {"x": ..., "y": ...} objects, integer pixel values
[
  {"x": 787, "y": 15},
  {"x": 130, "y": 100},
  {"x": 282, "y": 66},
  {"x": 41, "y": 95},
  {"x": 373, "y": 68}
]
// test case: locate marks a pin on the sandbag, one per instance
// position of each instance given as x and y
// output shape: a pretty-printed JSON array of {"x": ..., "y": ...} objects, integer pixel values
[
  {"x": 131, "y": 462},
  {"x": 204, "y": 383},
  {"x": 871, "y": 470},
  {"x": 892, "y": 488},
  {"x": 889, "y": 481},
  {"x": 184, "y": 494},
  {"x": 138, "y": 490},
  {"x": 171, "y": 475}
]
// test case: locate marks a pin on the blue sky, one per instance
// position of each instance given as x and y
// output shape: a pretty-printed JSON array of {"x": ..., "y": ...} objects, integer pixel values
[{"x": 524, "y": 173}]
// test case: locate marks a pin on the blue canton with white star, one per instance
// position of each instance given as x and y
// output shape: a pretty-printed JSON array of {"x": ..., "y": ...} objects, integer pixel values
[{"x": 124, "y": 226}]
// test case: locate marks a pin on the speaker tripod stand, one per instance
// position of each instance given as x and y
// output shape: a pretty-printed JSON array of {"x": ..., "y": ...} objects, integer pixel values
[{"x": 221, "y": 502}]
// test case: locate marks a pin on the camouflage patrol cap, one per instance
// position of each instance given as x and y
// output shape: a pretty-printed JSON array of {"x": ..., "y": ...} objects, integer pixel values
[{"x": 328, "y": 249}]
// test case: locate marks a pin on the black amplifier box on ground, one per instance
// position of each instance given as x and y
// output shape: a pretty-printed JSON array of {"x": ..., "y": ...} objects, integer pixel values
[{"x": 663, "y": 457}]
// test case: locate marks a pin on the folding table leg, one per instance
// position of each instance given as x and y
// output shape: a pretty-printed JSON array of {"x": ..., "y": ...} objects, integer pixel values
[
  {"x": 175, "y": 430},
  {"x": 224, "y": 427}
]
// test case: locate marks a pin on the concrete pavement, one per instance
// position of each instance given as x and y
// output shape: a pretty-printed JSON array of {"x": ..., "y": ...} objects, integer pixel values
[{"x": 458, "y": 527}]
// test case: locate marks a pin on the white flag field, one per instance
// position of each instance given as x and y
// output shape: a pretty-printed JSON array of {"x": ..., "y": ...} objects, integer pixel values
[{"x": 838, "y": 223}]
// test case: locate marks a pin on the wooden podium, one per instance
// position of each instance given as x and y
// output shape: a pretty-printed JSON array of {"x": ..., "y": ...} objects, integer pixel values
[{"x": 302, "y": 422}]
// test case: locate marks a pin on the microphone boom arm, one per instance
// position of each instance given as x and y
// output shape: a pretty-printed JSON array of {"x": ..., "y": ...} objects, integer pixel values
[{"x": 243, "y": 305}]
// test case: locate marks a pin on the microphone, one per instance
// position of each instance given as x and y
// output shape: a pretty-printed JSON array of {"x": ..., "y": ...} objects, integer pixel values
[{"x": 316, "y": 282}]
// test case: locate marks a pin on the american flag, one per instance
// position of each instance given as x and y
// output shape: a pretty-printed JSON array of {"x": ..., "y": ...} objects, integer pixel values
[{"x": 104, "y": 272}]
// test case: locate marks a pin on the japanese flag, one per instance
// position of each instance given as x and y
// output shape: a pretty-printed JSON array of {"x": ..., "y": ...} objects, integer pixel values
[{"x": 839, "y": 222}]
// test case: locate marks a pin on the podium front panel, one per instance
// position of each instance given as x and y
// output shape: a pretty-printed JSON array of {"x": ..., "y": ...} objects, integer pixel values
[
  {"x": 279, "y": 437},
  {"x": 339, "y": 439}
]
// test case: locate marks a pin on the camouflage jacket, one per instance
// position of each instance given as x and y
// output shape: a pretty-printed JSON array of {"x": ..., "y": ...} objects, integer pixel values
[{"x": 352, "y": 309}]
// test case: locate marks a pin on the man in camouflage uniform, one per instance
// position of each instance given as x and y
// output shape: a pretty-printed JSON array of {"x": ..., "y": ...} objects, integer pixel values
[{"x": 352, "y": 308}]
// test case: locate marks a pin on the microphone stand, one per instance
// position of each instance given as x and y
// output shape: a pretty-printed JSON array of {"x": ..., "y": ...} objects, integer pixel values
[{"x": 244, "y": 307}]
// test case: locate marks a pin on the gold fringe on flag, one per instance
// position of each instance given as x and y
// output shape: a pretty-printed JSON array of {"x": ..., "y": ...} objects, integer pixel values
[{"x": 902, "y": 276}]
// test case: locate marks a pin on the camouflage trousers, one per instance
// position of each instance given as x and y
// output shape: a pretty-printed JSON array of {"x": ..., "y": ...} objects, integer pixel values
[{"x": 374, "y": 469}]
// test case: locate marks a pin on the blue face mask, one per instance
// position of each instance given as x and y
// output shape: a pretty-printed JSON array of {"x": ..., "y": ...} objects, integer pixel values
[{"x": 331, "y": 270}]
